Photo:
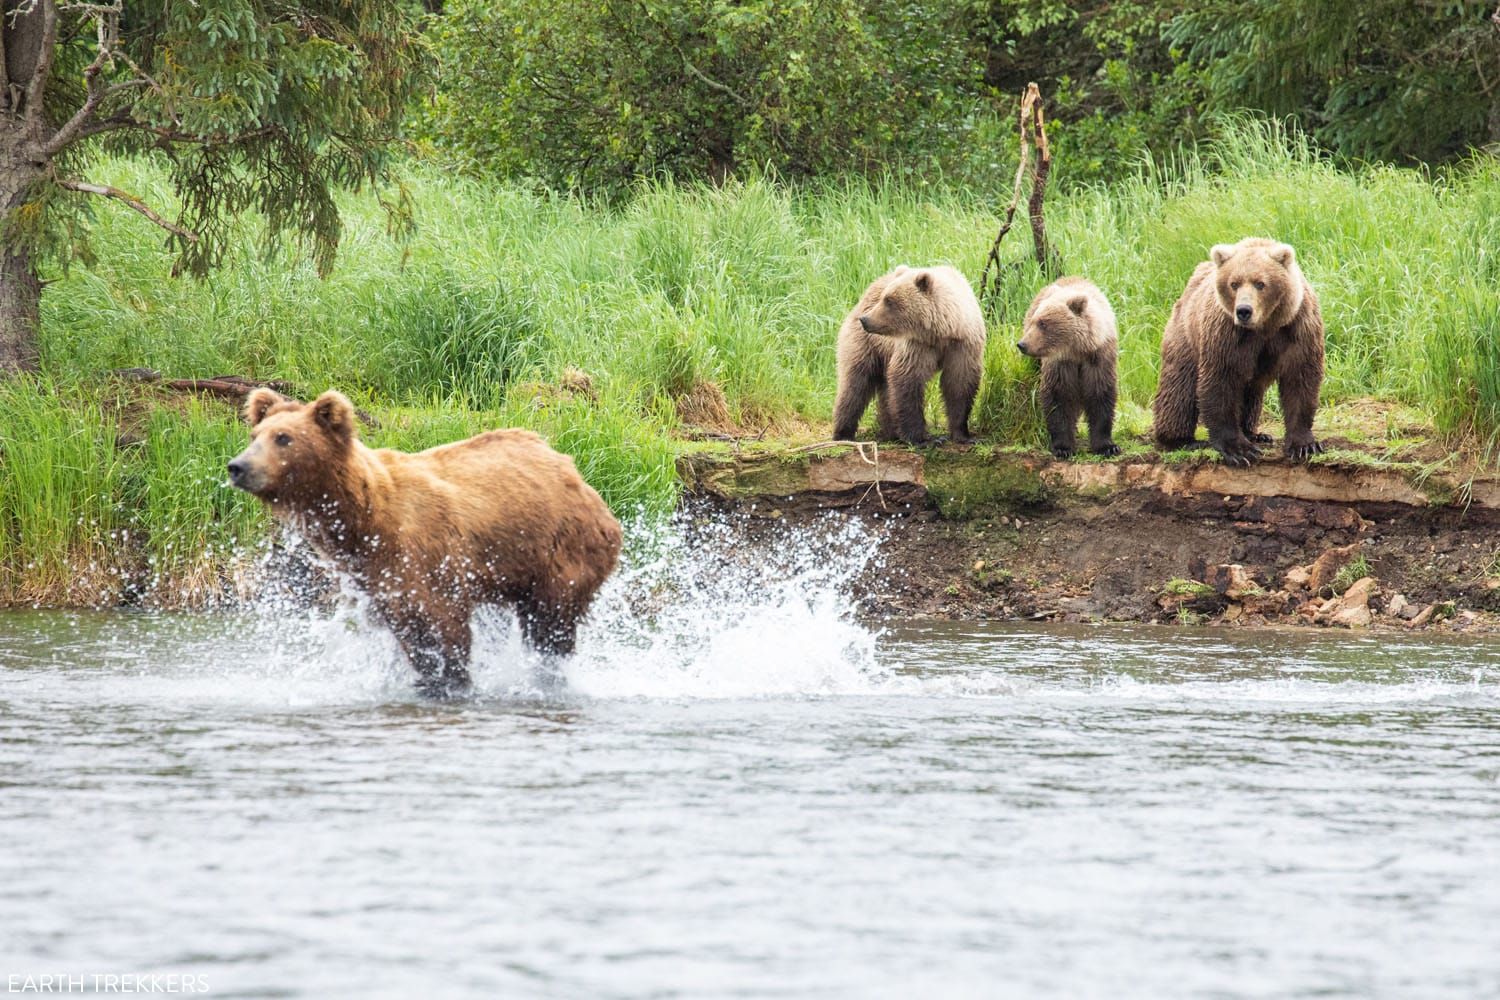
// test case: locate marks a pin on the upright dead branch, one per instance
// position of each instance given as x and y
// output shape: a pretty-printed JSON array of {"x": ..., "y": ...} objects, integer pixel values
[{"x": 1031, "y": 130}]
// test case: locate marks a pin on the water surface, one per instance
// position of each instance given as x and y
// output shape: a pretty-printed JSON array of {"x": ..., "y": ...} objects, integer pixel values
[{"x": 748, "y": 794}]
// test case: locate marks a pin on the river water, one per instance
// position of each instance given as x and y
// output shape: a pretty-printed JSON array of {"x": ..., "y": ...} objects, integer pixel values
[{"x": 744, "y": 792}]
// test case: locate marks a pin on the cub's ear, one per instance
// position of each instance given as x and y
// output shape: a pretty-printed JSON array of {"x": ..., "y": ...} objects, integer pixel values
[
  {"x": 258, "y": 402},
  {"x": 1078, "y": 304},
  {"x": 1221, "y": 253},
  {"x": 1283, "y": 254},
  {"x": 924, "y": 283},
  {"x": 335, "y": 414}
]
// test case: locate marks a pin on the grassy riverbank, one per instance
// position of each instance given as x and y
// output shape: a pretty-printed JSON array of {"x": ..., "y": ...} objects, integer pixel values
[{"x": 680, "y": 300}]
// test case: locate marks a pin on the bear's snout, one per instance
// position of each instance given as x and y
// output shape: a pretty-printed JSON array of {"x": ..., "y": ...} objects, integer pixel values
[
  {"x": 864, "y": 323},
  {"x": 242, "y": 474},
  {"x": 1242, "y": 314},
  {"x": 1021, "y": 346}
]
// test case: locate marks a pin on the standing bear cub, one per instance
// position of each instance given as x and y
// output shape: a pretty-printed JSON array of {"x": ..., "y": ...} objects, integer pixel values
[
  {"x": 909, "y": 324},
  {"x": 498, "y": 519},
  {"x": 1070, "y": 328},
  {"x": 1247, "y": 318}
]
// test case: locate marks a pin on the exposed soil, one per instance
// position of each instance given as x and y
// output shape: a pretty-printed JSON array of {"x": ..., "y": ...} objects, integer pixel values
[{"x": 1013, "y": 537}]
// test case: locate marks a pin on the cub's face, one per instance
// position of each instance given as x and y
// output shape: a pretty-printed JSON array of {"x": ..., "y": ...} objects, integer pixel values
[
  {"x": 901, "y": 306},
  {"x": 1058, "y": 327},
  {"x": 294, "y": 447},
  {"x": 1255, "y": 282}
]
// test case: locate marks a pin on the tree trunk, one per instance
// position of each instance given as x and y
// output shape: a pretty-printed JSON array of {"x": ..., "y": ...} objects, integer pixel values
[
  {"x": 20, "y": 302},
  {"x": 20, "y": 289}
]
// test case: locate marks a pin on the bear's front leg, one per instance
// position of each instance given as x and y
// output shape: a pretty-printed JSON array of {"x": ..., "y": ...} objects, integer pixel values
[
  {"x": 1099, "y": 392},
  {"x": 1221, "y": 401},
  {"x": 1255, "y": 400},
  {"x": 905, "y": 393},
  {"x": 962, "y": 367},
  {"x": 440, "y": 660},
  {"x": 1060, "y": 407},
  {"x": 1301, "y": 381}
]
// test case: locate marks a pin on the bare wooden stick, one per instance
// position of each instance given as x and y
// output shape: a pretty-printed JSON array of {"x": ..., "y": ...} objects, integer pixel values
[
  {"x": 1031, "y": 130},
  {"x": 105, "y": 191},
  {"x": 1028, "y": 99},
  {"x": 1044, "y": 256}
]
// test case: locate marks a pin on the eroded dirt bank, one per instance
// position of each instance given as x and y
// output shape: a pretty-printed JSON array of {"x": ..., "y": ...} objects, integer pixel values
[{"x": 1008, "y": 536}]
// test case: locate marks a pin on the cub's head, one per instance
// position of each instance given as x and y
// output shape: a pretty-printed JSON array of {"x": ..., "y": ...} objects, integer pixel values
[
  {"x": 1066, "y": 323},
  {"x": 295, "y": 448},
  {"x": 904, "y": 306},
  {"x": 1258, "y": 282}
]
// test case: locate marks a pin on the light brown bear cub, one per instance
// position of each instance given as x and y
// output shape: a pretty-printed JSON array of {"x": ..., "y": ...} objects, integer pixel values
[
  {"x": 498, "y": 519},
  {"x": 1247, "y": 318},
  {"x": 909, "y": 324},
  {"x": 1071, "y": 329}
]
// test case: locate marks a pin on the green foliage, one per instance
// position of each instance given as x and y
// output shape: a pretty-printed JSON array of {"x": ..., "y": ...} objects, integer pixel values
[
  {"x": 1117, "y": 91},
  {"x": 593, "y": 95},
  {"x": 248, "y": 107},
  {"x": 60, "y": 476},
  {"x": 1350, "y": 573},
  {"x": 474, "y": 324},
  {"x": 1376, "y": 79}
]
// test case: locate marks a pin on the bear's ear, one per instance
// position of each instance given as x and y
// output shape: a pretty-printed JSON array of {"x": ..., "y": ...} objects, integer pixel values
[
  {"x": 924, "y": 283},
  {"x": 1078, "y": 304},
  {"x": 1283, "y": 255},
  {"x": 1221, "y": 253},
  {"x": 335, "y": 414},
  {"x": 258, "y": 403}
]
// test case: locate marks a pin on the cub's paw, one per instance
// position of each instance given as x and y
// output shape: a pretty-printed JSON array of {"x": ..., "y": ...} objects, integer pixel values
[
  {"x": 1108, "y": 450},
  {"x": 1260, "y": 438},
  {"x": 1062, "y": 451}
]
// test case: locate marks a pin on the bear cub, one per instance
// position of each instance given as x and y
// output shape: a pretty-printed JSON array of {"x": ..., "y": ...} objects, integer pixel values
[
  {"x": 1246, "y": 319},
  {"x": 1070, "y": 328},
  {"x": 908, "y": 325}
]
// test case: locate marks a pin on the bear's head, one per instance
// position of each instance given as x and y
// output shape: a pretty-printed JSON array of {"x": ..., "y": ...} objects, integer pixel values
[
  {"x": 295, "y": 448},
  {"x": 906, "y": 304},
  {"x": 1066, "y": 325},
  {"x": 1258, "y": 282}
]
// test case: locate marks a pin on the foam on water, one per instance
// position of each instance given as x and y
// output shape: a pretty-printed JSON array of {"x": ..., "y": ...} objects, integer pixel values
[{"x": 724, "y": 607}]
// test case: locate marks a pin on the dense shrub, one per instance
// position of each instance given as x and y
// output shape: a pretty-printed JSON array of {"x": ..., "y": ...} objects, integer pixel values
[{"x": 584, "y": 95}]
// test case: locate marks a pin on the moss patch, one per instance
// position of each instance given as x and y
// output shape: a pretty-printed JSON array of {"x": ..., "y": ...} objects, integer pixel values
[{"x": 967, "y": 485}]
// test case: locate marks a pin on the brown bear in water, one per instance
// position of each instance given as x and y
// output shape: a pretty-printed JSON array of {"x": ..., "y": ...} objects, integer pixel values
[
  {"x": 498, "y": 519},
  {"x": 1247, "y": 318},
  {"x": 909, "y": 324},
  {"x": 1070, "y": 328}
]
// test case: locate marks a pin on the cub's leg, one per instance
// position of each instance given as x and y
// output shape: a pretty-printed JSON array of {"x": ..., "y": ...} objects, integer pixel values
[
  {"x": 1099, "y": 391},
  {"x": 1062, "y": 401},
  {"x": 962, "y": 366}
]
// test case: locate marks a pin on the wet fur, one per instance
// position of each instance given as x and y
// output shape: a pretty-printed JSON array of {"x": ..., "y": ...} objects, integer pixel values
[
  {"x": 1071, "y": 329},
  {"x": 1217, "y": 370},
  {"x": 920, "y": 322},
  {"x": 500, "y": 518}
]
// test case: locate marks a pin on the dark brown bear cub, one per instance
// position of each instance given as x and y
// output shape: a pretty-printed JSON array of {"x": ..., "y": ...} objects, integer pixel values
[
  {"x": 1247, "y": 318},
  {"x": 1070, "y": 328},
  {"x": 498, "y": 519},
  {"x": 908, "y": 325}
]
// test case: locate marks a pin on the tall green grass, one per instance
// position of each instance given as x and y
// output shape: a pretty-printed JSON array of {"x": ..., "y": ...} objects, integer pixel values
[{"x": 473, "y": 323}]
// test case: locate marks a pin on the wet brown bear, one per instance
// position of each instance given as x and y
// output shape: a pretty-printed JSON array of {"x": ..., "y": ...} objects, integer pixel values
[
  {"x": 1071, "y": 329},
  {"x": 909, "y": 324},
  {"x": 1247, "y": 318},
  {"x": 498, "y": 519}
]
